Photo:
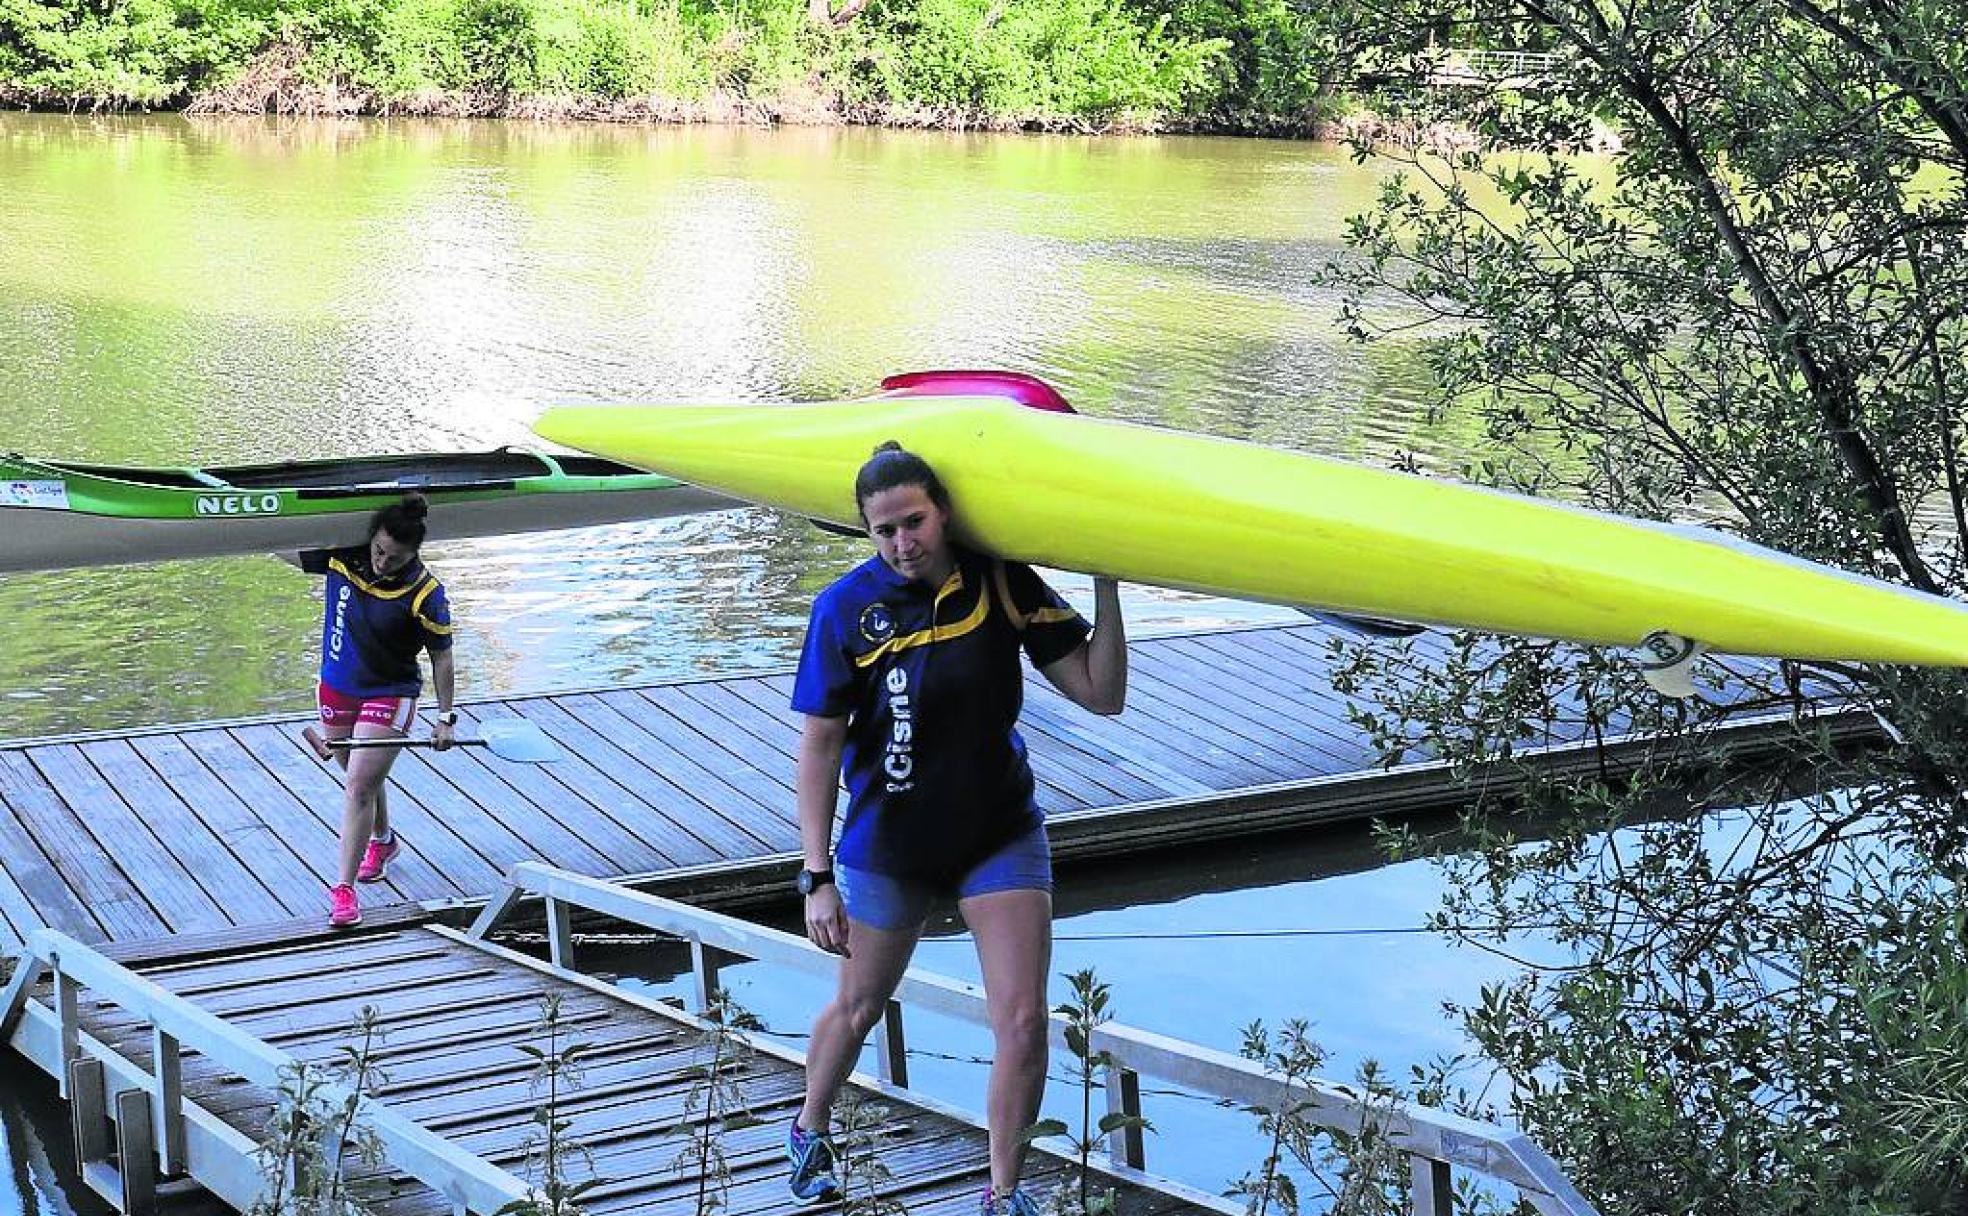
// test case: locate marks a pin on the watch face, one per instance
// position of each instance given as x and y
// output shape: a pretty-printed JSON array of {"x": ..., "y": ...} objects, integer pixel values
[{"x": 805, "y": 882}]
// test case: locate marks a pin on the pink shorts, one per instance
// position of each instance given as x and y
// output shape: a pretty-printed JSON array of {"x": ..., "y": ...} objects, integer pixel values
[{"x": 339, "y": 711}]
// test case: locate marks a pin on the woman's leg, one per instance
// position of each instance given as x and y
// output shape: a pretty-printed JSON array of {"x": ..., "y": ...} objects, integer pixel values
[
  {"x": 875, "y": 961},
  {"x": 362, "y": 785},
  {"x": 1014, "y": 949}
]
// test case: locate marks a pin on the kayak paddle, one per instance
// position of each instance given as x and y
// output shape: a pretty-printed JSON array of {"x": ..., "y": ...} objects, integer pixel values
[{"x": 513, "y": 739}]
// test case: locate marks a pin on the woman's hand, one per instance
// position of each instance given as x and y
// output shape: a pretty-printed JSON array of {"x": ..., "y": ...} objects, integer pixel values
[
  {"x": 443, "y": 736},
  {"x": 826, "y": 920}
]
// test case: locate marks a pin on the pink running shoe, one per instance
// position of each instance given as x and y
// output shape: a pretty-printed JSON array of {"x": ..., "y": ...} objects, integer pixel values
[
  {"x": 376, "y": 859},
  {"x": 343, "y": 910}
]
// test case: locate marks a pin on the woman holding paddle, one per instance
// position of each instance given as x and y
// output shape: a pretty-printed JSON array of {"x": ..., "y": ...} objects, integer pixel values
[
  {"x": 382, "y": 608},
  {"x": 911, "y": 687}
]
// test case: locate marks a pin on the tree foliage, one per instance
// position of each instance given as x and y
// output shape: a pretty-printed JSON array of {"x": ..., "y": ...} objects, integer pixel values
[
  {"x": 1086, "y": 64},
  {"x": 1755, "y": 318}
]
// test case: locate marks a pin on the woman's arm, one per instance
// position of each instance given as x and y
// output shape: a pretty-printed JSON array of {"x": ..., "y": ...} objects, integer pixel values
[
  {"x": 816, "y": 786},
  {"x": 1094, "y": 676},
  {"x": 444, "y": 676}
]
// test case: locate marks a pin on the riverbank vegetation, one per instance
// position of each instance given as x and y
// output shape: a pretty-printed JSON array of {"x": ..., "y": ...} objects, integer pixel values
[
  {"x": 1762, "y": 318},
  {"x": 1004, "y": 64}
]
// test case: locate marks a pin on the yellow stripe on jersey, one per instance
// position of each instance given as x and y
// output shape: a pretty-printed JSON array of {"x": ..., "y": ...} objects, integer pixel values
[
  {"x": 935, "y": 632},
  {"x": 368, "y": 588},
  {"x": 417, "y": 608},
  {"x": 1018, "y": 619}
]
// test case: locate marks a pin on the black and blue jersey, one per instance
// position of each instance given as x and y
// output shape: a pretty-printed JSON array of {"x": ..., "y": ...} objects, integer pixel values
[
  {"x": 373, "y": 628},
  {"x": 929, "y": 680}
]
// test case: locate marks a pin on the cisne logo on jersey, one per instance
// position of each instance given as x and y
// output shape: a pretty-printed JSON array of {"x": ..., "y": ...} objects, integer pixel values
[
  {"x": 340, "y": 629},
  {"x": 899, "y": 758},
  {"x": 238, "y": 504}
]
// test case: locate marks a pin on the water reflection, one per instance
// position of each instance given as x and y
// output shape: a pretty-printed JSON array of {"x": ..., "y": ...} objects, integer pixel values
[
  {"x": 214, "y": 291},
  {"x": 39, "y": 1157}
]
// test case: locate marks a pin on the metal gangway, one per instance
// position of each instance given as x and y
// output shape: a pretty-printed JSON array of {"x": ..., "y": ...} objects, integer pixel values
[{"x": 171, "y": 1065}]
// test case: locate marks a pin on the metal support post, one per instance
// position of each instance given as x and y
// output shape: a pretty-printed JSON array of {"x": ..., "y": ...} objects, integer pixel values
[
  {"x": 1124, "y": 1098},
  {"x": 891, "y": 1051},
  {"x": 1429, "y": 1190},
  {"x": 560, "y": 933}
]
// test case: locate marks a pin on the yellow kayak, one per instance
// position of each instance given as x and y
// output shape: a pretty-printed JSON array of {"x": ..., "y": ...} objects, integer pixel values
[{"x": 1180, "y": 510}]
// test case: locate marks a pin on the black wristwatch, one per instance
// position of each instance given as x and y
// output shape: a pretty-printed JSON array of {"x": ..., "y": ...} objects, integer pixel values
[{"x": 810, "y": 881}]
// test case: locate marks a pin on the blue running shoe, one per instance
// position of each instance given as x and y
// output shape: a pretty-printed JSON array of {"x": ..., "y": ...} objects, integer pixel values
[
  {"x": 813, "y": 1167},
  {"x": 1018, "y": 1203}
]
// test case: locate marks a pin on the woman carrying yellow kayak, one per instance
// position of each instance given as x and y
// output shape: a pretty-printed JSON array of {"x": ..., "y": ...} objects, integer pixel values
[{"x": 911, "y": 687}]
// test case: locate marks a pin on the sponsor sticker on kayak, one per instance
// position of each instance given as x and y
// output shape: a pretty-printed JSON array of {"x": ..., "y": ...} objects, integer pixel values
[
  {"x": 52, "y": 494},
  {"x": 238, "y": 504}
]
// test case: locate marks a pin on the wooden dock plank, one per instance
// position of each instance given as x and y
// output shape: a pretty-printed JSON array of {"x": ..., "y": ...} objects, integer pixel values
[
  {"x": 508, "y": 815},
  {"x": 427, "y": 779},
  {"x": 154, "y": 869},
  {"x": 84, "y": 864},
  {"x": 773, "y": 732},
  {"x": 274, "y": 860},
  {"x": 1256, "y": 755},
  {"x": 200, "y": 838},
  {"x": 310, "y": 828},
  {"x": 1063, "y": 729},
  {"x": 716, "y": 743},
  {"x": 662, "y": 815},
  {"x": 1289, "y": 661},
  {"x": 1279, "y": 690},
  {"x": 692, "y": 807},
  {"x": 586, "y": 803},
  {"x": 1250, "y": 697},
  {"x": 1176, "y": 746},
  {"x": 33, "y": 893},
  {"x": 725, "y": 781}
]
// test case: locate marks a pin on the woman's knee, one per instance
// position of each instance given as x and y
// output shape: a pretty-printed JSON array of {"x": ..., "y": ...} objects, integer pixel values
[
  {"x": 1020, "y": 1027},
  {"x": 862, "y": 1012},
  {"x": 364, "y": 781}
]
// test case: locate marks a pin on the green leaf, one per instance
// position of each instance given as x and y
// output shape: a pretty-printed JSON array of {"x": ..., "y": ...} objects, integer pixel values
[{"x": 1041, "y": 1129}]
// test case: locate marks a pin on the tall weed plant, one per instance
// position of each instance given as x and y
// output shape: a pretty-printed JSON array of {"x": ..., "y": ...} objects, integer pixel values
[{"x": 316, "y": 1127}]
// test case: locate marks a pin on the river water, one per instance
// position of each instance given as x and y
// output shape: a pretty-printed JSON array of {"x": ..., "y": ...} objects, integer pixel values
[{"x": 179, "y": 291}]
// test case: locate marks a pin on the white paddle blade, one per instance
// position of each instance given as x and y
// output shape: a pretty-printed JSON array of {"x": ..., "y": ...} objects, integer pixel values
[{"x": 519, "y": 740}]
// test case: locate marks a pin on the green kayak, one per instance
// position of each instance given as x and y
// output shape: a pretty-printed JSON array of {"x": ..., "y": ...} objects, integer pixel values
[{"x": 56, "y": 514}]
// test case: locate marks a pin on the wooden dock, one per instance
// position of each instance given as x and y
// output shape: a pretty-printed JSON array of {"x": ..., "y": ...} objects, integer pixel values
[
  {"x": 163, "y": 892},
  {"x": 684, "y": 787}
]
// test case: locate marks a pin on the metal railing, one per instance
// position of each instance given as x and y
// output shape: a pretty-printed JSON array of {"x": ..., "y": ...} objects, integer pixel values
[
  {"x": 1435, "y": 1142},
  {"x": 153, "y": 1112},
  {"x": 1495, "y": 67}
]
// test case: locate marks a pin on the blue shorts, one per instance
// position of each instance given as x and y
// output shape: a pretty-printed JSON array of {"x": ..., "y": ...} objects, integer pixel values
[{"x": 903, "y": 903}]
